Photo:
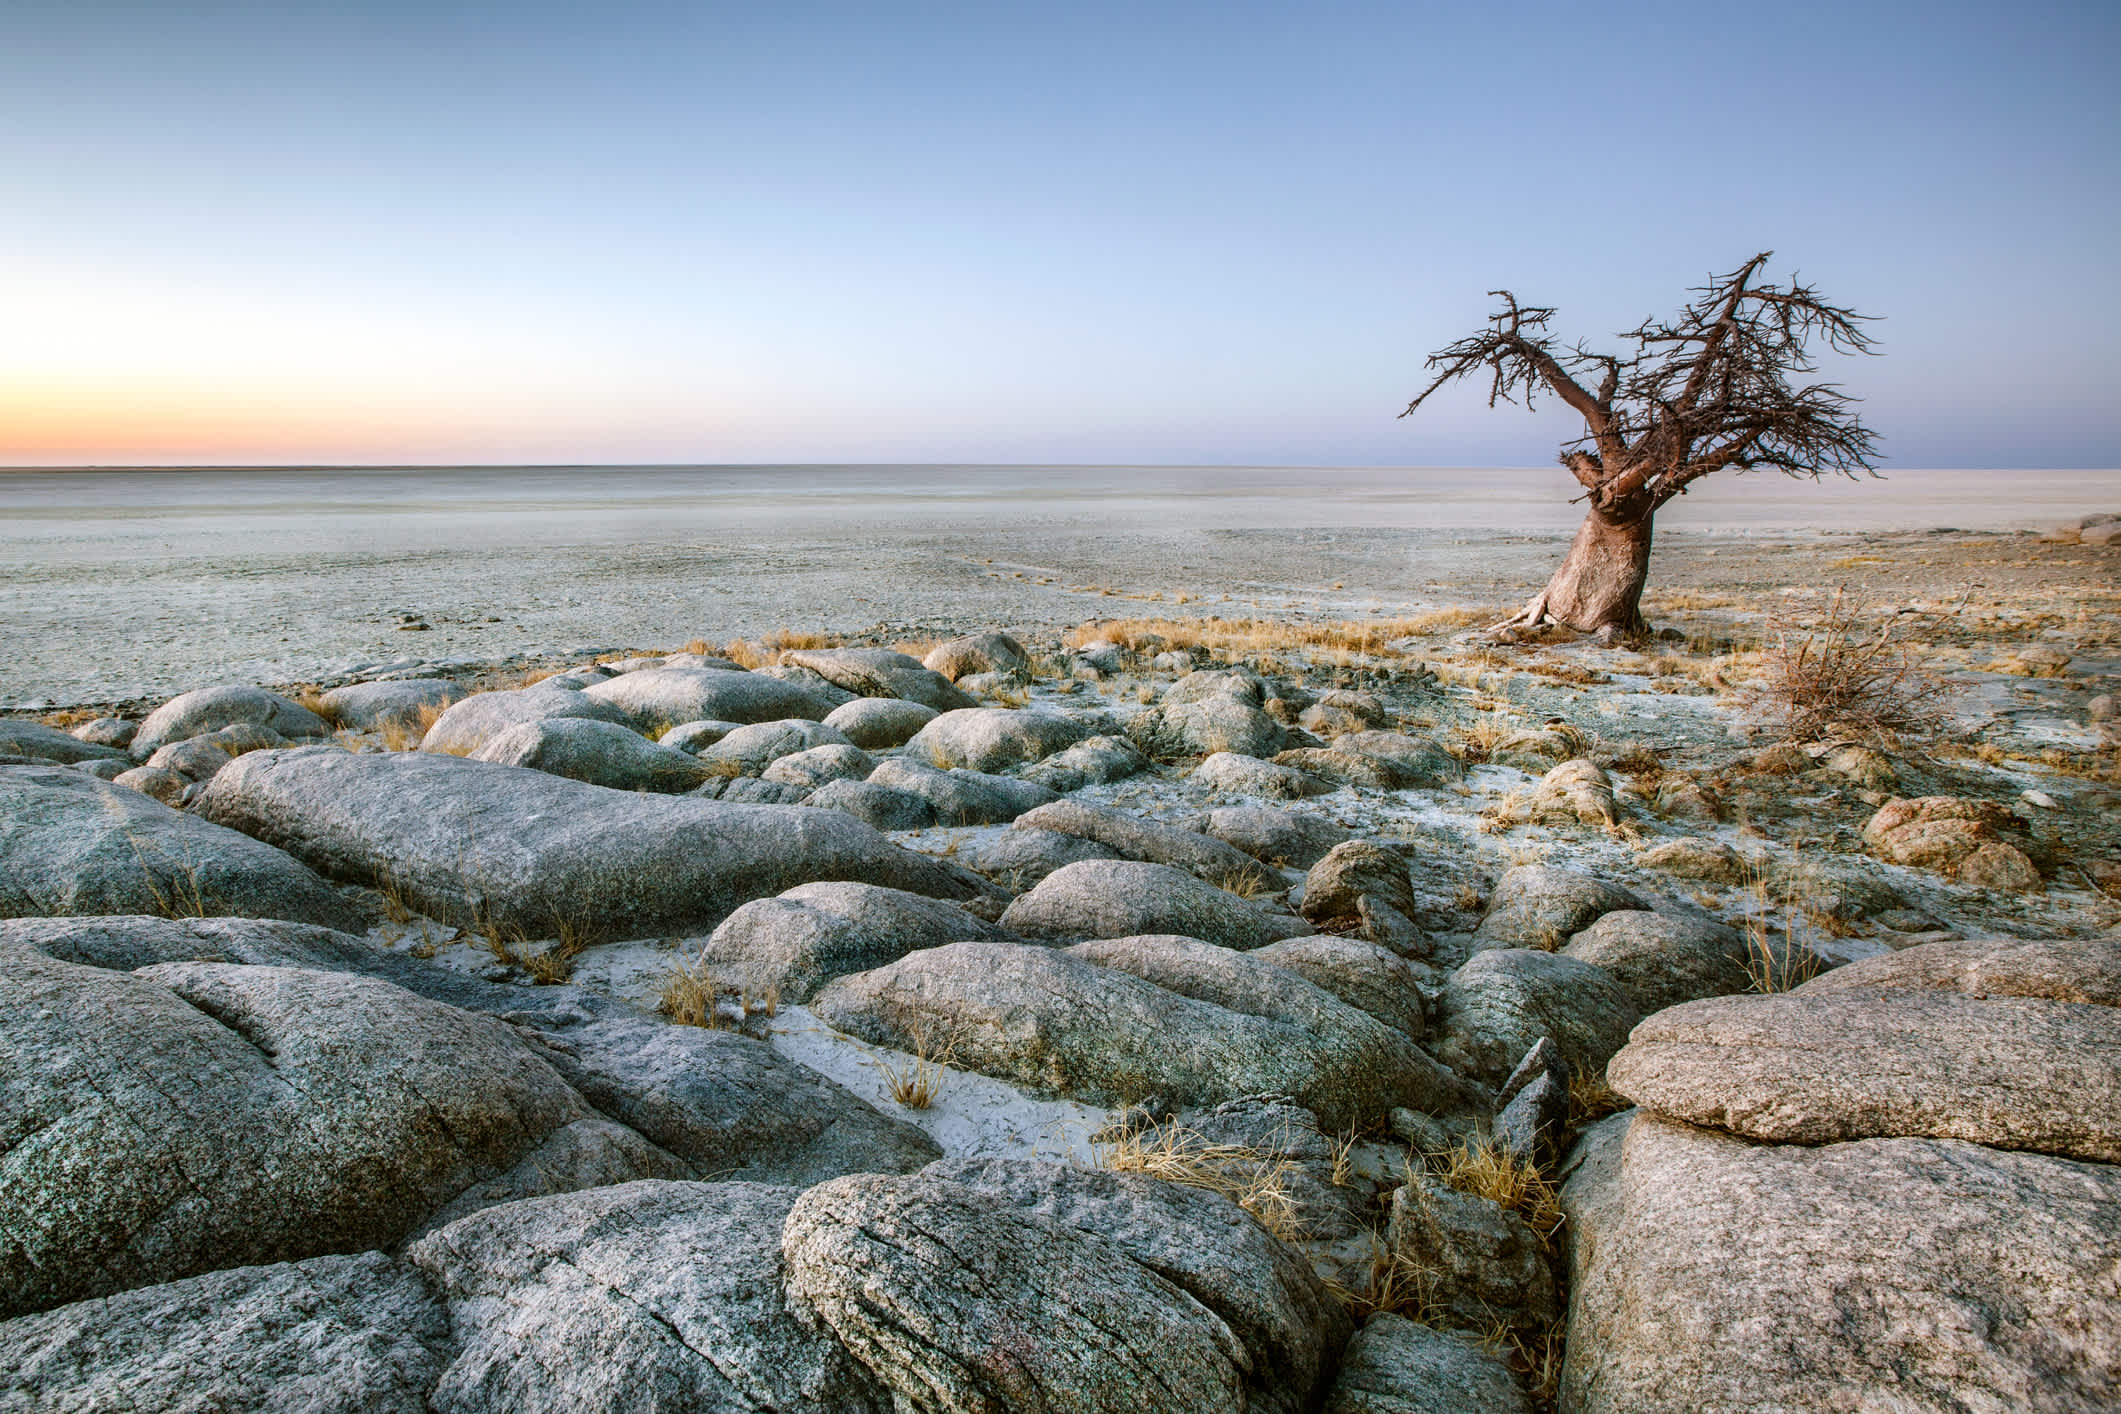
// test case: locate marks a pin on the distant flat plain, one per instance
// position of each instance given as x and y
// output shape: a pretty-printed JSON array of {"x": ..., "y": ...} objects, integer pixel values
[{"x": 118, "y": 585}]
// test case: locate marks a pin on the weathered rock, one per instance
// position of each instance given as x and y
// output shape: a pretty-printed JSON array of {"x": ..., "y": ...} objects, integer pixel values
[
  {"x": 667, "y": 695},
  {"x": 963, "y": 797},
  {"x": 470, "y": 723},
  {"x": 1340, "y": 711},
  {"x": 154, "y": 781},
  {"x": 816, "y": 684},
  {"x": 329, "y": 1335},
  {"x": 992, "y": 739},
  {"x": 750, "y": 749},
  {"x": 2061, "y": 970},
  {"x": 601, "y": 753},
  {"x": 728, "y": 1105},
  {"x": 1498, "y": 1006},
  {"x": 821, "y": 765},
  {"x": 1060, "y": 1025},
  {"x": 1122, "y": 898},
  {"x": 105, "y": 731},
  {"x": 1395, "y": 1366},
  {"x": 370, "y": 706},
  {"x": 106, "y": 769},
  {"x": 1276, "y": 837},
  {"x": 1341, "y": 768},
  {"x": 1359, "y": 1056},
  {"x": 1132, "y": 837},
  {"x": 1714, "y": 1274},
  {"x": 307, "y": 1112},
  {"x": 649, "y": 1295},
  {"x": 879, "y": 723},
  {"x": 464, "y": 841},
  {"x": 1533, "y": 1117},
  {"x": 1095, "y": 760},
  {"x": 37, "y": 742},
  {"x": 1662, "y": 959},
  {"x": 1478, "y": 1259},
  {"x": 1177, "y": 660},
  {"x": 1020, "y": 858},
  {"x": 1367, "y": 976},
  {"x": 1205, "y": 726},
  {"x": 1814, "y": 1068},
  {"x": 1412, "y": 762},
  {"x": 196, "y": 713},
  {"x": 1261, "y": 1288},
  {"x": 990, "y": 652},
  {"x": 796, "y": 943},
  {"x": 1030, "y": 1301},
  {"x": 880, "y": 672},
  {"x": 1350, "y": 870},
  {"x": 196, "y": 758},
  {"x": 1231, "y": 774},
  {"x": 1537, "y": 906},
  {"x": 1575, "y": 792},
  {"x": 1101, "y": 655},
  {"x": 695, "y": 737},
  {"x": 1973, "y": 840},
  {"x": 1239, "y": 684},
  {"x": 878, "y": 806},
  {"x": 1711, "y": 861},
  {"x": 1844, "y": 890},
  {"x": 71, "y": 844}
]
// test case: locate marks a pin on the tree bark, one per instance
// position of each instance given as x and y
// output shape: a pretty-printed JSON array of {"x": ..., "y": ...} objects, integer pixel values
[{"x": 1598, "y": 588}]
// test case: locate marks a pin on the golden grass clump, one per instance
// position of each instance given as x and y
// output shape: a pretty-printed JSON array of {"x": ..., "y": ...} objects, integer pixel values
[
  {"x": 1244, "y": 637},
  {"x": 1247, "y": 881},
  {"x": 399, "y": 735},
  {"x": 689, "y": 997},
  {"x": 69, "y": 717},
  {"x": 1510, "y": 1181},
  {"x": 1591, "y": 1098},
  {"x": 1255, "y": 1180},
  {"x": 916, "y": 1082},
  {"x": 1774, "y": 966}
]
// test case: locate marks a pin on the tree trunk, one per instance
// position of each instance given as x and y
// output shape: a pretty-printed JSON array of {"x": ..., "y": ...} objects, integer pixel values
[{"x": 1598, "y": 588}]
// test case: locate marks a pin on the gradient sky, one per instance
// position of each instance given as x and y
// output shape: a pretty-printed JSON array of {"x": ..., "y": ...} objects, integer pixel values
[{"x": 1080, "y": 232}]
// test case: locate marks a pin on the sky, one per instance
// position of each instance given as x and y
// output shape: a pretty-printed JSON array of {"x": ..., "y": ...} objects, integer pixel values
[{"x": 1000, "y": 232}]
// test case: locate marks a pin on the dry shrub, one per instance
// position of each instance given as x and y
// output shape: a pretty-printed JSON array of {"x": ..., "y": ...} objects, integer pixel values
[
  {"x": 1477, "y": 742},
  {"x": 68, "y": 717},
  {"x": 396, "y": 907},
  {"x": 1850, "y": 670},
  {"x": 698, "y": 645},
  {"x": 556, "y": 963},
  {"x": 1254, "y": 1179}
]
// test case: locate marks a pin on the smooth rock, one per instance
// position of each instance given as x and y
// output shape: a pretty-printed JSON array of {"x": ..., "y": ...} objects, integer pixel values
[
  {"x": 196, "y": 713},
  {"x": 796, "y": 943},
  {"x": 104, "y": 731},
  {"x": 38, "y": 742},
  {"x": 1123, "y": 898},
  {"x": 71, "y": 844},
  {"x": 749, "y": 750},
  {"x": 660, "y": 696},
  {"x": 1055, "y": 1024},
  {"x": 879, "y": 723},
  {"x": 601, "y": 753},
  {"x": 469, "y": 724},
  {"x": 1396, "y": 1366},
  {"x": 1714, "y": 1274},
  {"x": 1662, "y": 959},
  {"x": 1478, "y": 1259},
  {"x": 695, "y": 737},
  {"x": 1710, "y": 861},
  {"x": 1229, "y": 773},
  {"x": 1017, "y": 859},
  {"x": 649, "y": 1295},
  {"x": 1367, "y": 976},
  {"x": 1021, "y": 1309},
  {"x": 465, "y": 841},
  {"x": 878, "y": 806},
  {"x": 1280, "y": 838},
  {"x": 1132, "y": 837},
  {"x": 307, "y": 1112},
  {"x": 821, "y": 765},
  {"x": 1816, "y": 1068},
  {"x": 990, "y": 739},
  {"x": 880, "y": 672},
  {"x": 963, "y": 797},
  {"x": 330, "y": 1335},
  {"x": 2084, "y": 970},
  {"x": 1413, "y": 763},
  {"x": 1501, "y": 1002},
  {"x": 370, "y": 706},
  {"x": 1205, "y": 726},
  {"x": 1538, "y": 906},
  {"x": 989, "y": 652}
]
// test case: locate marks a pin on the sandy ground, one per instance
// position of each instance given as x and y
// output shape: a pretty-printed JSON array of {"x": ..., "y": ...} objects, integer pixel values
[{"x": 124, "y": 588}]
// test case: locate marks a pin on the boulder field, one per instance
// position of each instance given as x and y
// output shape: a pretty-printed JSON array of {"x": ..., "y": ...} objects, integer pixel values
[{"x": 994, "y": 1025}]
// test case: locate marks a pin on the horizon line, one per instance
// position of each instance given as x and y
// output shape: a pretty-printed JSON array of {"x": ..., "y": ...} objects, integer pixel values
[{"x": 1875, "y": 473}]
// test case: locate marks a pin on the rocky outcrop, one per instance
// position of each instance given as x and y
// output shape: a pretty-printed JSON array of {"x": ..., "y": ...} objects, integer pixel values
[
  {"x": 1663, "y": 959},
  {"x": 1813, "y": 1068},
  {"x": 990, "y": 652},
  {"x": 470, "y": 723},
  {"x": 880, "y": 672},
  {"x": 1716, "y": 1274},
  {"x": 1018, "y": 859},
  {"x": 1975, "y": 841},
  {"x": 71, "y": 844},
  {"x": 962, "y": 797},
  {"x": 464, "y": 841},
  {"x": 1122, "y": 898},
  {"x": 1132, "y": 837},
  {"x": 1096, "y": 1294},
  {"x": 1538, "y": 906},
  {"x": 1367, "y": 976},
  {"x": 1477, "y": 1259},
  {"x": 640, "y": 1296},
  {"x": 22, "y": 742},
  {"x": 879, "y": 723},
  {"x": 670, "y": 695},
  {"x": 370, "y": 706},
  {"x": 796, "y": 943},
  {"x": 991, "y": 739},
  {"x": 1229, "y": 773},
  {"x": 1206, "y": 726},
  {"x": 601, "y": 753},
  {"x": 1396, "y": 1366},
  {"x": 751, "y": 749},
  {"x": 2060, "y": 970},
  {"x": 1499, "y": 1005},
  {"x": 196, "y": 713},
  {"x": 1277, "y": 837}
]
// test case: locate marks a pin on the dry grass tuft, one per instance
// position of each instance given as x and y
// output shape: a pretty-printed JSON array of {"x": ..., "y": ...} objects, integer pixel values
[
  {"x": 1247, "y": 881},
  {"x": 1477, "y": 742},
  {"x": 68, "y": 717},
  {"x": 396, "y": 907},
  {"x": 1255, "y": 1180},
  {"x": 407, "y": 736},
  {"x": 1847, "y": 671},
  {"x": 1774, "y": 966},
  {"x": 1590, "y": 1098},
  {"x": 1513, "y": 1183},
  {"x": 689, "y": 997},
  {"x": 313, "y": 699},
  {"x": 916, "y": 1083}
]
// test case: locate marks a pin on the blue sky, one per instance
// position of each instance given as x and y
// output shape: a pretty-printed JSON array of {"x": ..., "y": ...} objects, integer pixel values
[{"x": 1003, "y": 232}]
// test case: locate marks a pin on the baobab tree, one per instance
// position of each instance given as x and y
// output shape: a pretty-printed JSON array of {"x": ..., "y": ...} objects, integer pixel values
[{"x": 1708, "y": 391}]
